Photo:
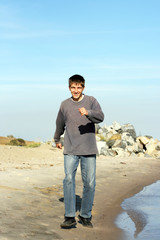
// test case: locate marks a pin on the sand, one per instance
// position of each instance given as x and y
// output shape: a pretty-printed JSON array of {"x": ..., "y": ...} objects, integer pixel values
[{"x": 31, "y": 193}]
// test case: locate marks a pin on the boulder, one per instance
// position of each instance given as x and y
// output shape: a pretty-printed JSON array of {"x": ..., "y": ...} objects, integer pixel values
[
  {"x": 156, "y": 154},
  {"x": 115, "y": 137},
  {"x": 100, "y": 131},
  {"x": 111, "y": 129},
  {"x": 105, "y": 129},
  {"x": 117, "y": 143},
  {"x": 98, "y": 138},
  {"x": 140, "y": 145},
  {"x": 133, "y": 148},
  {"x": 107, "y": 152},
  {"x": 157, "y": 147},
  {"x": 101, "y": 144},
  {"x": 128, "y": 138},
  {"x": 133, "y": 154},
  {"x": 120, "y": 140},
  {"x": 151, "y": 146},
  {"x": 116, "y": 126},
  {"x": 129, "y": 129},
  {"x": 110, "y": 143},
  {"x": 121, "y": 153},
  {"x": 97, "y": 127},
  {"x": 143, "y": 140},
  {"x": 123, "y": 144},
  {"x": 140, "y": 154},
  {"x": 109, "y": 135}
]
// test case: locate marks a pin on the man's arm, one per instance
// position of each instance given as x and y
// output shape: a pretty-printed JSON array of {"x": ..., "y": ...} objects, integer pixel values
[
  {"x": 59, "y": 145},
  {"x": 60, "y": 126},
  {"x": 83, "y": 111},
  {"x": 94, "y": 114}
]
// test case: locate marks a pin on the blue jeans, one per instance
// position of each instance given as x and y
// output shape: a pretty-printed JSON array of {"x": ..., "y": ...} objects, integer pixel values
[{"x": 88, "y": 172}]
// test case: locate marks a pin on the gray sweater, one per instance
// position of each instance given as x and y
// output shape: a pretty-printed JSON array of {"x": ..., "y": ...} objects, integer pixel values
[{"x": 79, "y": 137}]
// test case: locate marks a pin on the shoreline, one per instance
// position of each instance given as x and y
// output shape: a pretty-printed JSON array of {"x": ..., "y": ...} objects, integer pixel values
[
  {"x": 32, "y": 193},
  {"x": 131, "y": 178}
]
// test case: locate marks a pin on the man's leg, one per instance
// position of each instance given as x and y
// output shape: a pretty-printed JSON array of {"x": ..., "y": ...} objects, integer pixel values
[
  {"x": 88, "y": 171},
  {"x": 70, "y": 167}
]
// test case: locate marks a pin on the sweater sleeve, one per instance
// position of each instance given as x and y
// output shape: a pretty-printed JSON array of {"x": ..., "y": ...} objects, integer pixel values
[
  {"x": 60, "y": 126},
  {"x": 95, "y": 114}
]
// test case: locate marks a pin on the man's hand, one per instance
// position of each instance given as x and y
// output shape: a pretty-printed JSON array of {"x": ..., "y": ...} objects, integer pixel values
[
  {"x": 59, "y": 145},
  {"x": 83, "y": 111}
]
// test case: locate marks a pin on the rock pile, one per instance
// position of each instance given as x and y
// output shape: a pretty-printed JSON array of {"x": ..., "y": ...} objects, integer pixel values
[{"x": 121, "y": 141}]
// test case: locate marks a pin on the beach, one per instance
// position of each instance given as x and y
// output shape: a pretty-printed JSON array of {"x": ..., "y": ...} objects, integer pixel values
[{"x": 31, "y": 193}]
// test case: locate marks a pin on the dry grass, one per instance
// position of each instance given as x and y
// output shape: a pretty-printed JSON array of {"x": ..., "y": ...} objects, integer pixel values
[{"x": 6, "y": 141}]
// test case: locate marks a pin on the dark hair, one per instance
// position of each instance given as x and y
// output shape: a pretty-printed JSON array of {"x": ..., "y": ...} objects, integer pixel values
[{"x": 77, "y": 79}]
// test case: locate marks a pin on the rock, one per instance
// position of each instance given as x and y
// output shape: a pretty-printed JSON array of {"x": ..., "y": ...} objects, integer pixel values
[
  {"x": 97, "y": 128},
  {"x": 108, "y": 136},
  {"x": 148, "y": 136},
  {"x": 112, "y": 152},
  {"x": 140, "y": 154},
  {"x": 157, "y": 146},
  {"x": 133, "y": 148},
  {"x": 108, "y": 152},
  {"x": 105, "y": 151},
  {"x": 147, "y": 155},
  {"x": 117, "y": 143},
  {"x": 121, "y": 153},
  {"x": 100, "y": 131},
  {"x": 140, "y": 145},
  {"x": 116, "y": 126},
  {"x": 142, "y": 140},
  {"x": 156, "y": 154},
  {"x": 111, "y": 129},
  {"x": 151, "y": 146},
  {"x": 100, "y": 145},
  {"x": 133, "y": 154},
  {"x": 137, "y": 148},
  {"x": 123, "y": 144},
  {"x": 128, "y": 138},
  {"x": 105, "y": 129},
  {"x": 110, "y": 143},
  {"x": 115, "y": 137},
  {"x": 98, "y": 138},
  {"x": 130, "y": 129},
  {"x": 130, "y": 149},
  {"x": 103, "y": 135},
  {"x": 117, "y": 140}
]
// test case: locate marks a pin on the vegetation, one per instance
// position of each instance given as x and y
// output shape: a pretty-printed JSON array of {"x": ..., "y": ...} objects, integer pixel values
[
  {"x": 11, "y": 140},
  {"x": 34, "y": 145},
  {"x": 17, "y": 142},
  {"x": 10, "y": 136}
]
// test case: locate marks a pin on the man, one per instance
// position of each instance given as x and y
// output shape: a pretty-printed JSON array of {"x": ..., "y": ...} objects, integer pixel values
[{"x": 77, "y": 117}]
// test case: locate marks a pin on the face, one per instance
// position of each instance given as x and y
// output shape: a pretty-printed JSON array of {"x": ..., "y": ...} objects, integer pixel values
[{"x": 76, "y": 91}]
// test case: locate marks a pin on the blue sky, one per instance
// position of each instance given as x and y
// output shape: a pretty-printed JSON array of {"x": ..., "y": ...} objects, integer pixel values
[{"x": 113, "y": 44}]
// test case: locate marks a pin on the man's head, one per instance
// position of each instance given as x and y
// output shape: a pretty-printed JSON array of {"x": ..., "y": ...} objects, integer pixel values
[
  {"x": 77, "y": 79},
  {"x": 76, "y": 86}
]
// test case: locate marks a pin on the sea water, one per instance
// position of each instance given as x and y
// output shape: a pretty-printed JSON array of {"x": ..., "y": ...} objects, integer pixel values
[{"x": 140, "y": 219}]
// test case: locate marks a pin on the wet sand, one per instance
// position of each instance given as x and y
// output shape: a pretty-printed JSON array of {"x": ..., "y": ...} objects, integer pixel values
[
  {"x": 31, "y": 193},
  {"x": 140, "y": 218}
]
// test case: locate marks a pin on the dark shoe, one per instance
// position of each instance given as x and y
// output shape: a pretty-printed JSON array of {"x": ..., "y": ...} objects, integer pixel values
[
  {"x": 86, "y": 222},
  {"x": 69, "y": 222}
]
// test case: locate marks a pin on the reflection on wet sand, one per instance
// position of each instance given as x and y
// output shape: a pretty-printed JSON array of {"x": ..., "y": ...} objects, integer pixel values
[{"x": 140, "y": 219}]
